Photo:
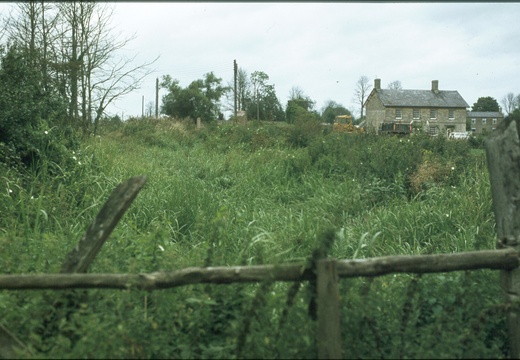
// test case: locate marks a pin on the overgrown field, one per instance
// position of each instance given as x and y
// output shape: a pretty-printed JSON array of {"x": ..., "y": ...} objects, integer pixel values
[{"x": 256, "y": 194}]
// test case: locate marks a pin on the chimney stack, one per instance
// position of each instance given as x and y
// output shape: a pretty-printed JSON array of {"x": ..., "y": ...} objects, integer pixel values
[
  {"x": 377, "y": 84},
  {"x": 435, "y": 86}
]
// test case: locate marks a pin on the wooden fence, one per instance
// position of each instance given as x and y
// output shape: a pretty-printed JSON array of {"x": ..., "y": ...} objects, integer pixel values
[{"x": 503, "y": 154}]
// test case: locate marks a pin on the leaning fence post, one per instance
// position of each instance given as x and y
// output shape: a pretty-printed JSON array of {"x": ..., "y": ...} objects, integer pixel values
[
  {"x": 503, "y": 159},
  {"x": 83, "y": 254},
  {"x": 329, "y": 326}
]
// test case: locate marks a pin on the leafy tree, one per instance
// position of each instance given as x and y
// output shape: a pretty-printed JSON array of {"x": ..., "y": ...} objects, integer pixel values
[
  {"x": 292, "y": 110},
  {"x": 259, "y": 83},
  {"x": 258, "y": 98},
  {"x": 297, "y": 102},
  {"x": 331, "y": 110},
  {"x": 361, "y": 93},
  {"x": 200, "y": 99},
  {"x": 485, "y": 104},
  {"x": 213, "y": 91},
  {"x": 270, "y": 105}
]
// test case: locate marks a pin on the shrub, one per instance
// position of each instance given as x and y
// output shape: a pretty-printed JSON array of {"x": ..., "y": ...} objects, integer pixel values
[
  {"x": 305, "y": 129},
  {"x": 32, "y": 118}
]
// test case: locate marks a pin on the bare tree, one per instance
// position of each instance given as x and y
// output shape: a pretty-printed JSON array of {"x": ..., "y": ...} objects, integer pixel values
[
  {"x": 296, "y": 93},
  {"x": 243, "y": 88},
  {"x": 395, "y": 85},
  {"x": 150, "y": 106},
  {"x": 361, "y": 92},
  {"x": 510, "y": 102},
  {"x": 32, "y": 25},
  {"x": 243, "y": 92},
  {"x": 94, "y": 63},
  {"x": 74, "y": 47}
]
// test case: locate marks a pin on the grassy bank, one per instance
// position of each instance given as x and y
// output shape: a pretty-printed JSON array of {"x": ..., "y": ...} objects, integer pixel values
[{"x": 257, "y": 194}]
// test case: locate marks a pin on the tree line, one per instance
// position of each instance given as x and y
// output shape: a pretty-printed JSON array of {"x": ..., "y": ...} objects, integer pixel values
[{"x": 206, "y": 98}]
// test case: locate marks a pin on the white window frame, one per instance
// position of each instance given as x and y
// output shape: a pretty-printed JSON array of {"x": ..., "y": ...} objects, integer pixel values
[
  {"x": 434, "y": 113},
  {"x": 473, "y": 121},
  {"x": 418, "y": 112},
  {"x": 398, "y": 114},
  {"x": 494, "y": 121},
  {"x": 484, "y": 121},
  {"x": 451, "y": 114}
]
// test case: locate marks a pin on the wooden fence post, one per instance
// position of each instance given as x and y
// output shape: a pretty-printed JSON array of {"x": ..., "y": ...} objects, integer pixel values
[
  {"x": 329, "y": 325},
  {"x": 81, "y": 257},
  {"x": 503, "y": 159}
]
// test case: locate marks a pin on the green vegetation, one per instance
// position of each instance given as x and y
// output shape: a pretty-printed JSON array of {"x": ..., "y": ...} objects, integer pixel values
[
  {"x": 245, "y": 195},
  {"x": 485, "y": 104}
]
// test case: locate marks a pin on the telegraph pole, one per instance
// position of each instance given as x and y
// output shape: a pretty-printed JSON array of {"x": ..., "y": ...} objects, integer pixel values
[
  {"x": 235, "y": 71},
  {"x": 142, "y": 108},
  {"x": 157, "y": 98}
]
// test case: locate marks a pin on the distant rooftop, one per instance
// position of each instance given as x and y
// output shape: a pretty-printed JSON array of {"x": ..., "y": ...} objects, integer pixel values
[
  {"x": 433, "y": 98},
  {"x": 485, "y": 114},
  {"x": 422, "y": 98}
]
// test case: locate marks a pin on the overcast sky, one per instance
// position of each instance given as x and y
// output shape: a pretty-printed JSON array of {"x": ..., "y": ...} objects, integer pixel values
[{"x": 324, "y": 48}]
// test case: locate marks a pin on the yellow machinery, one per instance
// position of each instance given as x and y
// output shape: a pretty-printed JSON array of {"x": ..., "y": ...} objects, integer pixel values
[{"x": 344, "y": 123}]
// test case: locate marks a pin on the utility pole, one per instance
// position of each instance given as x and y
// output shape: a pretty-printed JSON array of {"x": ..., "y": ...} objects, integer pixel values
[
  {"x": 157, "y": 98},
  {"x": 235, "y": 71},
  {"x": 142, "y": 108}
]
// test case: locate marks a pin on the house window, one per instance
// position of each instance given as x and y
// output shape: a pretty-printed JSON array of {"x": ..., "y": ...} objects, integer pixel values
[
  {"x": 416, "y": 113},
  {"x": 451, "y": 114},
  {"x": 484, "y": 121},
  {"x": 473, "y": 130},
  {"x": 494, "y": 121},
  {"x": 433, "y": 114},
  {"x": 433, "y": 130},
  {"x": 398, "y": 114},
  {"x": 473, "y": 121}
]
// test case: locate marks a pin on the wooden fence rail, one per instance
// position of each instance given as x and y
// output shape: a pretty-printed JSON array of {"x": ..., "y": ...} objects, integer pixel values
[{"x": 505, "y": 259}]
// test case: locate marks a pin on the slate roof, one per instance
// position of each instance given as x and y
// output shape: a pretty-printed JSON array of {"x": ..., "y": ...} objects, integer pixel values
[
  {"x": 421, "y": 98},
  {"x": 491, "y": 114}
]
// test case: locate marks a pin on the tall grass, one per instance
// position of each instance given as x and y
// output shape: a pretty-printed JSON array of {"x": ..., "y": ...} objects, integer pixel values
[{"x": 230, "y": 195}]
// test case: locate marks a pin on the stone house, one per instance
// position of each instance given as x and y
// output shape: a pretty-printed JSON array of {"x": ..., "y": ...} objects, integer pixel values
[
  {"x": 484, "y": 121},
  {"x": 401, "y": 111}
]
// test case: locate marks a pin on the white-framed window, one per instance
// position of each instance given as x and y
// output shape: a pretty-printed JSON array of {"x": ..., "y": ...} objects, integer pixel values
[
  {"x": 484, "y": 121},
  {"x": 398, "y": 114},
  {"x": 494, "y": 121},
  {"x": 451, "y": 114},
  {"x": 433, "y": 130},
  {"x": 416, "y": 113},
  {"x": 473, "y": 121},
  {"x": 433, "y": 114},
  {"x": 473, "y": 130}
]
